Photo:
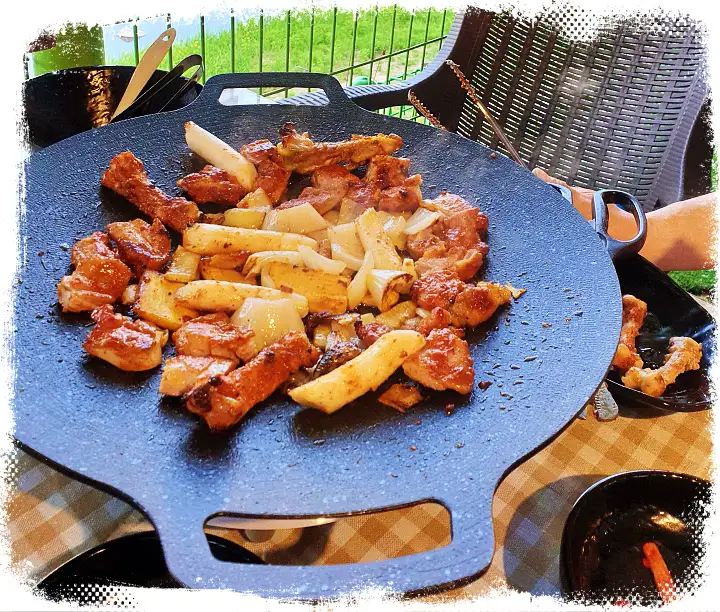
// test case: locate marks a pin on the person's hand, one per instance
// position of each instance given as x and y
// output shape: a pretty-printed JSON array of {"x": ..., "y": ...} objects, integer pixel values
[{"x": 582, "y": 199}]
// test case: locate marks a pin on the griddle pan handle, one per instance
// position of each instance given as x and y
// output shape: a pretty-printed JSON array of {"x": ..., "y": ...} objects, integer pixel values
[
  {"x": 618, "y": 248},
  {"x": 210, "y": 94},
  {"x": 601, "y": 200},
  {"x": 189, "y": 559}
]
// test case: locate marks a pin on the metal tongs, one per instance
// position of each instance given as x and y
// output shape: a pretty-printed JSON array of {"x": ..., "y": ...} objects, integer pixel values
[
  {"x": 139, "y": 101},
  {"x": 605, "y": 407}
]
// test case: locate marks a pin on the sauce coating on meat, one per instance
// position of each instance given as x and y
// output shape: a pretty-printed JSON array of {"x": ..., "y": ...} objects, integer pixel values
[
  {"x": 214, "y": 185},
  {"x": 130, "y": 345},
  {"x": 99, "y": 277},
  {"x": 126, "y": 176},
  {"x": 182, "y": 373},
  {"x": 213, "y": 335},
  {"x": 272, "y": 175},
  {"x": 225, "y": 400},
  {"x": 141, "y": 245},
  {"x": 443, "y": 363}
]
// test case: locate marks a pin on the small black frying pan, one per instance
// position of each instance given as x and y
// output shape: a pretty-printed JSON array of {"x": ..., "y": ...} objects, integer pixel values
[
  {"x": 601, "y": 551},
  {"x": 671, "y": 312}
]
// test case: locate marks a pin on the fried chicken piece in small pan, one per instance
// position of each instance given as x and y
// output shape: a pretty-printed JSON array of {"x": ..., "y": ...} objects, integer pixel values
[
  {"x": 126, "y": 176},
  {"x": 212, "y": 185},
  {"x": 683, "y": 355},
  {"x": 633, "y": 317}
]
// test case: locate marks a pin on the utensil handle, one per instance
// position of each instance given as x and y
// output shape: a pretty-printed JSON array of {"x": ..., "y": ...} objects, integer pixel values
[
  {"x": 618, "y": 248},
  {"x": 145, "y": 69},
  {"x": 190, "y": 560},
  {"x": 214, "y": 86}
]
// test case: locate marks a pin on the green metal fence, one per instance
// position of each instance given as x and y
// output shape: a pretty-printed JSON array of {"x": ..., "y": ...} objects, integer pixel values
[{"x": 376, "y": 46}]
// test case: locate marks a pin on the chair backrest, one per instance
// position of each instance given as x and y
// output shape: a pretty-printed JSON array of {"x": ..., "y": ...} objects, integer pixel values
[{"x": 614, "y": 111}]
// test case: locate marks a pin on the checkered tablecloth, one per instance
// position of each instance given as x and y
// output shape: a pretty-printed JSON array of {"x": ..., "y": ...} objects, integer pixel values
[{"x": 52, "y": 518}]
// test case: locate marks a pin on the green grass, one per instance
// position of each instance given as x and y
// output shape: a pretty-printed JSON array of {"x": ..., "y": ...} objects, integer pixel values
[
  {"x": 277, "y": 58},
  {"x": 699, "y": 282}
]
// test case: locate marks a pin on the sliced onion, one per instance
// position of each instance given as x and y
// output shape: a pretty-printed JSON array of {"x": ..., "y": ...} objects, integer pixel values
[
  {"x": 358, "y": 286},
  {"x": 422, "y": 219},
  {"x": 384, "y": 286},
  {"x": 315, "y": 261},
  {"x": 340, "y": 254},
  {"x": 257, "y": 261}
]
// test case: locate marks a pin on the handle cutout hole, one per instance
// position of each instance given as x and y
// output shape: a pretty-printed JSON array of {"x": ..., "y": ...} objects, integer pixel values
[
  {"x": 338, "y": 540},
  {"x": 242, "y": 96}
]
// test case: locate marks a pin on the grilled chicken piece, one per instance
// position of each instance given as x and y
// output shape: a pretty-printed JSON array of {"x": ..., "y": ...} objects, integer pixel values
[
  {"x": 633, "y": 317},
  {"x": 439, "y": 318},
  {"x": 126, "y": 176},
  {"x": 468, "y": 305},
  {"x": 182, "y": 373},
  {"x": 213, "y": 335},
  {"x": 212, "y": 185},
  {"x": 130, "y": 345},
  {"x": 300, "y": 154},
  {"x": 403, "y": 198},
  {"x": 476, "y": 304},
  {"x": 454, "y": 242},
  {"x": 95, "y": 245},
  {"x": 683, "y": 355},
  {"x": 330, "y": 184},
  {"x": 386, "y": 171},
  {"x": 272, "y": 175},
  {"x": 99, "y": 277},
  {"x": 443, "y": 363},
  {"x": 141, "y": 245},
  {"x": 225, "y": 400}
]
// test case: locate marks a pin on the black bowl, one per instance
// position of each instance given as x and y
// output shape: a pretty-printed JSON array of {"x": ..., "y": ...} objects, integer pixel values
[
  {"x": 601, "y": 550},
  {"x": 671, "y": 312},
  {"x": 134, "y": 560},
  {"x": 64, "y": 103}
]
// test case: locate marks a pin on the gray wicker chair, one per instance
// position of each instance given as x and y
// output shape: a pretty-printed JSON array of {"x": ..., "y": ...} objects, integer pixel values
[{"x": 616, "y": 111}]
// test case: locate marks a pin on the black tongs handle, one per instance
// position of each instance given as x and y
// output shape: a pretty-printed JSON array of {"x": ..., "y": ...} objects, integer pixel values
[
  {"x": 618, "y": 248},
  {"x": 601, "y": 199}
]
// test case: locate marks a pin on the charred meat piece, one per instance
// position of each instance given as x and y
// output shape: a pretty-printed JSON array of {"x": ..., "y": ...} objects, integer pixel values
[
  {"x": 180, "y": 374},
  {"x": 213, "y": 335},
  {"x": 96, "y": 245},
  {"x": 335, "y": 356},
  {"x": 443, "y": 363},
  {"x": 225, "y": 400},
  {"x": 126, "y": 176},
  {"x": 142, "y": 246},
  {"x": 272, "y": 175},
  {"x": 438, "y": 318},
  {"x": 300, "y": 154},
  {"x": 683, "y": 355},
  {"x": 130, "y": 345},
  {"x": 468, "y": 305},
  {"x": 212, "y": 185},
  {"x": 95, "y": 281},
  {"x": 633, "y": 317}
]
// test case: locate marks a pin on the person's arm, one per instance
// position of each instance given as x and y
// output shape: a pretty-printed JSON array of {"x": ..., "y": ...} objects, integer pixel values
[{"x": 680, "y": 236}]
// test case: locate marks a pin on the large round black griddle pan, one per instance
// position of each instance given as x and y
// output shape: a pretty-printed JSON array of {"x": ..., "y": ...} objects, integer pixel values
[{"x": 111, "y": 429}]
